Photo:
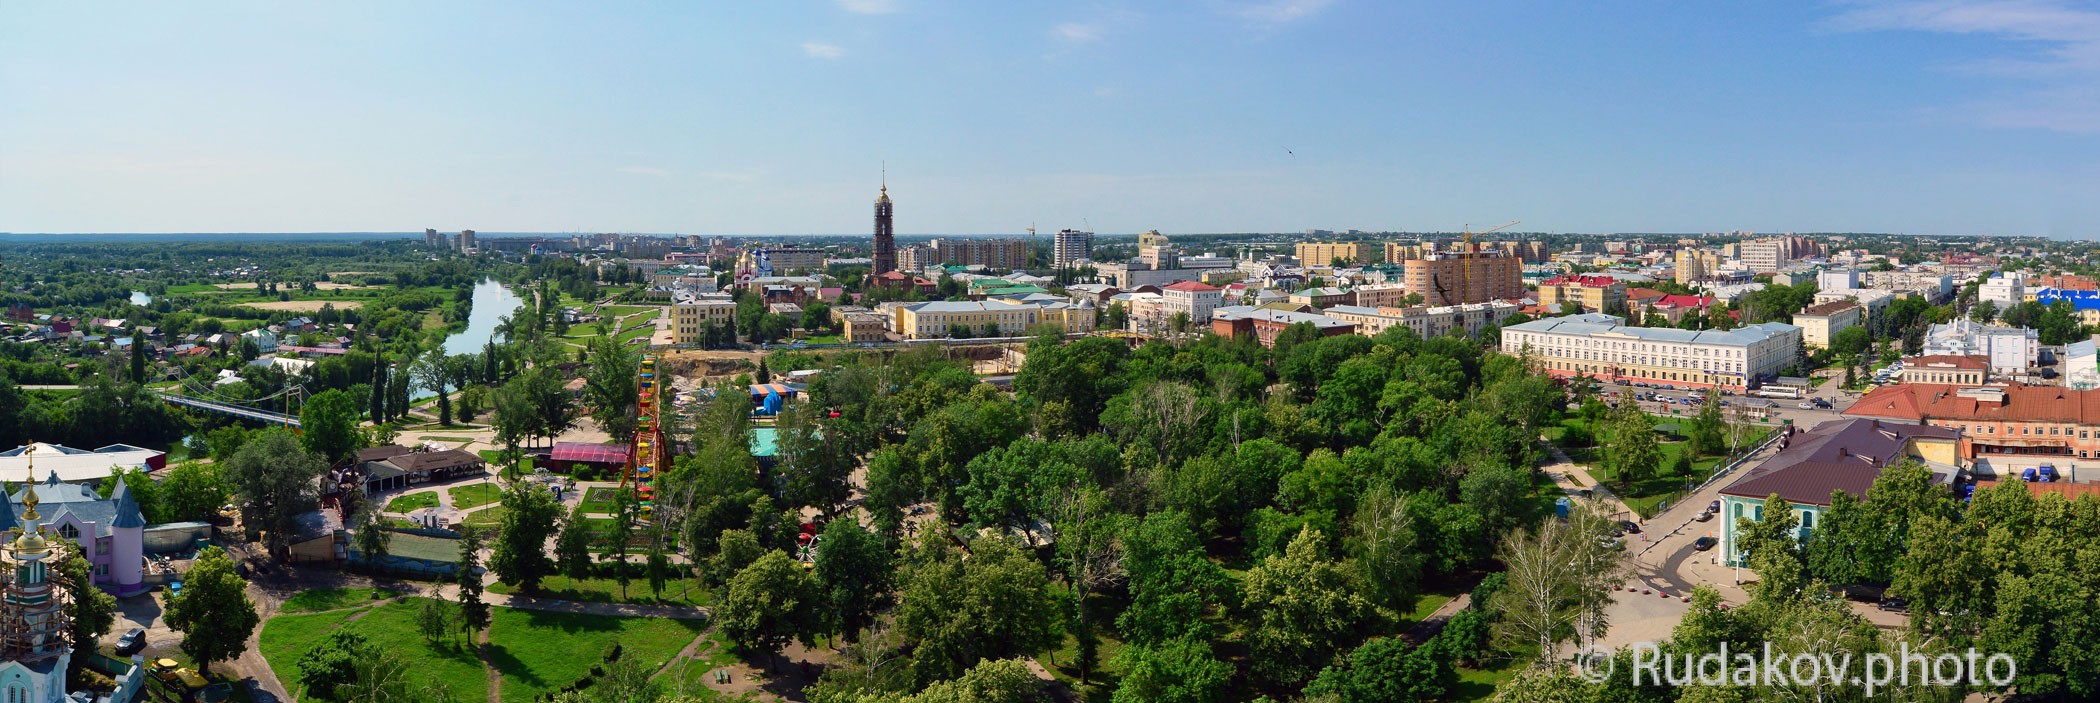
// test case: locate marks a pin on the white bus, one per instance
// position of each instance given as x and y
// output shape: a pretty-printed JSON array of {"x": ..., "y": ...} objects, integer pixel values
[{"x": 1787, "y": 392}]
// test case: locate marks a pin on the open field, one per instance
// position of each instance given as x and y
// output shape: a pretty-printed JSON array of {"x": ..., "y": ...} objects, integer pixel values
[
  {"x": 326, "y": 285},
  {"x": 305, "y": 305},
  {"x": 538, "y": 652},
  {"x": 410, "y": 502}
]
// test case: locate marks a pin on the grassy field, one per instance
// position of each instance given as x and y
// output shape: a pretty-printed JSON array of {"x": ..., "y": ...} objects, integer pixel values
[
  {"x": 1646, "y": 497},
  {"x": 317, "y": 600},
  {"x": 625, "y": 310},
  {"x": 538, "y": 652},
  {"x": 409, "y": 502},
  {"x": 489, "y": 516},
  {"x": 473, "y": 496},
  {"x": 681, "y": 591},
  {"x": 599, "y": 500},
  {"x": 534, "y": 652}
]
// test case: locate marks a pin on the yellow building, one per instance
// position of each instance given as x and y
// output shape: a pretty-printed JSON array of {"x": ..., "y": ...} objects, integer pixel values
[
  {"x": 687, "y": 317},
  {"x": 1325, "y": 253},
  {"x": 1694, "y": 264},
  {"x": 988, "y": 318},
  {"x": 1592, "y": 293}
]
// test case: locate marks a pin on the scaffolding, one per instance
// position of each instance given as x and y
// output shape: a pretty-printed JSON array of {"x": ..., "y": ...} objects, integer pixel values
[{"x": 35, "y": 624}]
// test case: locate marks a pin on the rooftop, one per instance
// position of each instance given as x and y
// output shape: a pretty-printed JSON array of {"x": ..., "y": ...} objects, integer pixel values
[
  {"x": 2013, "y": 402},
  {"x": 1846, "y": 455},
  {"x": 1600, "y": 323},
  {"x": 1827, "y": 309}
]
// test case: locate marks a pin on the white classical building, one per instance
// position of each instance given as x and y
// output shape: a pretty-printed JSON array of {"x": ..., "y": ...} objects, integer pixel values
[
  {"x": 1601, "y": 346},
  {"x": 2012, "y": 350}
]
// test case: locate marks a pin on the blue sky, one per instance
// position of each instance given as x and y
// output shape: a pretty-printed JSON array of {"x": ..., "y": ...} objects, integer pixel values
[{"x": 1945, "y": 117}]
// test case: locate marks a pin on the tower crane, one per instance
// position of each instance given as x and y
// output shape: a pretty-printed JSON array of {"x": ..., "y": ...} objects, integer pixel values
[{"x": 1465, "y": 263}]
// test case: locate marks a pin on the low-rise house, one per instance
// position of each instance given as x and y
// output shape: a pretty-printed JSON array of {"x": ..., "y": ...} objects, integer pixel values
[{"x": 1845, "y": 455}]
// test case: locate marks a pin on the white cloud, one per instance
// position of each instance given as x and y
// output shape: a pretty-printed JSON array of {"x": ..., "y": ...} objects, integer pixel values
[
  {"x": 2056, "y": 91},
  {"x": 1282, "y": 11},
  {"x": 1077, "y": 32},
  {"x": 868, "y": 7},
  {"x": 821, "y": 50},
  {"x": 644, "y": 171}
]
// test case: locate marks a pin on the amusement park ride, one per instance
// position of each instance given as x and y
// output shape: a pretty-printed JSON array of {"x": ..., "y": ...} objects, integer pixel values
[{"x": 646, "y": 455}]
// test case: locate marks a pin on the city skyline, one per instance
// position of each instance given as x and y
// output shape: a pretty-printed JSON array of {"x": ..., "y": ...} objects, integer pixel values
[{"x": 1948, "y": 118}]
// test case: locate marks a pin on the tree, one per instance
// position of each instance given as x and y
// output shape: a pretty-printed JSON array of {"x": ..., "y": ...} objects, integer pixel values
[
  {"x": 213, "y": 613},
  {"x": 1386, "y": 669},
  {"x": 474, "y": 615},
  {"x": 430, "y": 374},
  {"x": 572, "y": 547},
  {"x": 432, "y": 619},
  {"x": 1631, "y": 453},
  {"x": 853, "y": 571},
  {"x": 1851, "y": 341},
  {"x": 192, "y": 492},
  {"x": 610, "y": 387},
  {"x": 276, "y": 479},
  {"x": 1708, "y": 429},
  {"x": 529, "y": 518},
  {"x": 93, "y": 611},
  {"x": 328, "y": 426},
  {"x": 372, "y": 537},
  {"x": 138, "y": 358},
  {"x": 1174, "y": 586},
  {"x": 1182, "y": 670},
  {"x": 767, "y": 604},
  {"x": 1301, "y": 608},
  {"x": 627, "y": 512},
  {"x": 956, "y": 611},
  {"x": 1769, "y": 543},
  {"x": 333, "y": 663}
]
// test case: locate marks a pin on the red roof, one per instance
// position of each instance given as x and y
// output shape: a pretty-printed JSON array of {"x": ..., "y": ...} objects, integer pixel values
[
  {"x": 2023, "y": 403},
  {"x": 1584, "y": 281},
  {"x": 1637, "y": 294},
  {"x": 589, "y": 453},
  {"x": 1191, "y": 286},
  {"x": 1975, "y": 362},
  {"x": 1685, "y": 301}
]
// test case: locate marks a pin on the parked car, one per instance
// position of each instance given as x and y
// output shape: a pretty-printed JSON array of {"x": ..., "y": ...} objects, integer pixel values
[
  {"x": 1611, "y": 543},
  {"x": 2030, "y": 475},
  {"x": 2048, "y": 473},
  {"x": 1804, "y": 405},
  {"x": 1630, "y": 527},
  {"x": 132, "y": 641},
  {"x": 1894, "y": 605},
  {"x": 1705, "y": 515},
  {"x": 1821, "y": 403},
  {"x": 1704, "y": 543},
  {"x": 1714, "y": 507}
]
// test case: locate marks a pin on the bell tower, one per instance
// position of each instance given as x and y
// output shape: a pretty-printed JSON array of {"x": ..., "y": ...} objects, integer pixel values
[{"x": 885, "y": 230}]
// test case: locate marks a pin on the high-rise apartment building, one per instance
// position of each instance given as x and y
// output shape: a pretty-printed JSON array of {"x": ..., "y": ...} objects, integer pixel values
[
  {"x": 432, "y": 239},
  {"x": 1008, "y": 253},
  {"x": 1326, "y": 253},
  {"x": 1456, "y": 278},
  {"x": 464, "y": 241},
  {"x": 1071, "y": 247},
  {"x": 1764, "y": 256},
  {"x": 885, "y": 234},
  {"x": 1695, "y": 264}
]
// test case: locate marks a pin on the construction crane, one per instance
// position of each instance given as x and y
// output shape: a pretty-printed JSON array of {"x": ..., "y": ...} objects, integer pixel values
[{"x": 1465, "y": 262}]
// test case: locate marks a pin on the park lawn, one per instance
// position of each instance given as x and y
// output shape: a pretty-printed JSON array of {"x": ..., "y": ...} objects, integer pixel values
[
  {"x": 678, "y": 591},
  {"x": 495, "y": 457},
  {"x": 473, "y": 496},
  {"x": 1647, "y": 497},
  {"x": 625, "y": 310},
  {"x": 1480, "y": 684},
  {"x": 440, "y": 438},
  {"x": 641, "y": 332},
  {"x": 1425, "y": 605},
  {"x": 538, "y": 652},
  {"x": 690, "y": 678},
  {"x": 286, "y": 638},
  {"x": 599, "y": 500},
  {"x": 410, "y": 502},
  {"x": 492, "y": 515},
  {"x": 325, "y": 599}
]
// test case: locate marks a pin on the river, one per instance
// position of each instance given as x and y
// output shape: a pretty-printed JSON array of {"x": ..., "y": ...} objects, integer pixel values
[{"x": 492, "y": 302}]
